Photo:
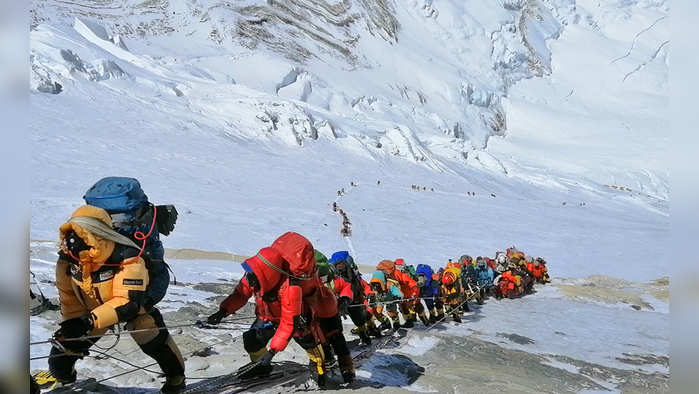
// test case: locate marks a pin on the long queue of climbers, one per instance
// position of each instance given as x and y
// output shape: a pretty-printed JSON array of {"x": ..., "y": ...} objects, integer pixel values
[
  {"x": 397, "y": 288},
  {"x": 111, "y": 270}
]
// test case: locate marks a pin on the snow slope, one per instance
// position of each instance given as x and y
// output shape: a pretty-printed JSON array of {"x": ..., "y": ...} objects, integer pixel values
[{"x": 249, "y": 116}]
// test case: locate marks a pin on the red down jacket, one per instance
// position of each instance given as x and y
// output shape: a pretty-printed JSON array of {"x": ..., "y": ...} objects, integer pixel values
[
  {"x": 281, "y": 298},
  {"x": 342, "y": 288},
  {"x": 299, "y": 255}
]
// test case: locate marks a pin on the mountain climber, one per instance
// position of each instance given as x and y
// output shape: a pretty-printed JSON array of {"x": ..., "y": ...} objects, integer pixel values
[
  {"x": 349, "y": 287},
  {"x": 342, "y": 291},
  {"x": 469, "y": 280},
  {"x": 464, "y": 262},
  {"x": 450, "y": 292},
  {"x": 102, "y": 281},
  {"x": 408, "y": 288},
  {"x": 290, "y": 302},
  {"x": 484, "y": 278},
  {"x": 438, "y": 304},
  {"x": 539, "y": 270},
  {"x": 408, "y": 269},
  {"x": 518, "y": 267},
  {"x": 135, "y": 217},
  {"x": 429, "y": 290},
  {"x": 385, "y": 291},
  {"x": 484, "y": 274},
  {"x": 492, "y": 264},
  {"x": 509, "y": 285},
  {"x": 501, "y": 262}
]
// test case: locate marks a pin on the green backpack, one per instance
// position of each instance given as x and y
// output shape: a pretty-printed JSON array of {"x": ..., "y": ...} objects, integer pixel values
[{"x": 324, "y": 268}]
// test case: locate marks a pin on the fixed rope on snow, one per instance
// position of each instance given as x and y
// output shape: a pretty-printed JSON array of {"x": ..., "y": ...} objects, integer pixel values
[{"x": 197, "y": 323}]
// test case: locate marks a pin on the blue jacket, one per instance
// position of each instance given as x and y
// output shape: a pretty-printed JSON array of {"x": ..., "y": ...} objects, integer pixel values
[
  {"x": 430, "y": 289},
  {"x": 484, "y": 276}
]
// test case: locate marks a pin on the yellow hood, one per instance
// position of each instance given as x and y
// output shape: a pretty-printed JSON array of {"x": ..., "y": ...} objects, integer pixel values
[{"x": 100, "y": 248}]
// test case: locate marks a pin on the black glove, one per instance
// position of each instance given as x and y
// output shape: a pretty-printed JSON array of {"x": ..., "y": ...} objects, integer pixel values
[
  {"x": 372, "y": 299},
  {"x": 343, "y": 305},
  {"x": 258, "y": 368},
  {"x": 266, "y": 358},
  {"x": 74, "y": 328},
  {"x": 216, "y": 317}
]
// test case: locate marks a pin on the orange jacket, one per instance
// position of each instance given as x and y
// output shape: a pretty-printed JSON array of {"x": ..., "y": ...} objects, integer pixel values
[
  {"x": 407, "y": 285},
  {"x": 537, "y": 271},
  {"x": 507, "y": 281}
]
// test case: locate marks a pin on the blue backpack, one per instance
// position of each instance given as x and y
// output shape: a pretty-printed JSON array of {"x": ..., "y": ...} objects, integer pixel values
[
  {"x": 128, "y": 206},
  {"x": 131, "y": 212},
  {"x": 116, "y": 194}
]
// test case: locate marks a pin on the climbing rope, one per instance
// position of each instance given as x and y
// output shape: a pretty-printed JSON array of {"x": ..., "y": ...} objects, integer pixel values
[
  {"x": 197, "y": 323},
  {"x": 145, "y": 367}
]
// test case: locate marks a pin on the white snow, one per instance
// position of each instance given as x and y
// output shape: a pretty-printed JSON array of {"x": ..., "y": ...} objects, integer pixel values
[
  {"x": 419, "y": 345},
  {"x": 588, "y": 331},
  {"x": 557, "y": 108}
]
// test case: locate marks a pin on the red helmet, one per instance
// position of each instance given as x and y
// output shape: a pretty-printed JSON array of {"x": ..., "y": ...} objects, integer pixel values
[
  {"x": 448, "y": 278},
  {"x": 400, "y": 261}
]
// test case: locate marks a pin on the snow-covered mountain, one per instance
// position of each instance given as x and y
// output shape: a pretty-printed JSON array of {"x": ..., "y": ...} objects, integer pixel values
[
  {"x": 431, "y": 81},
  {"x": 250, "y": 115}
]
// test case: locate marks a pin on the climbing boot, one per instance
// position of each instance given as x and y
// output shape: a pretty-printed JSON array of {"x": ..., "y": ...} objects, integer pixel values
[
  {"x": 317, "y": 364},
  {"x": 385, "y": 325},
  {"x": 173, "y": 385},
  {"x": 396, "y": 322},
  {"x": 424, "y": 320},
  {"x": 364, "y": 335},
  {"x": 347, "y": 368},
  {"x": 457, "y": 318},
  {"x": 373, "y": 331},
  {"x": 330, "y": 359}
]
